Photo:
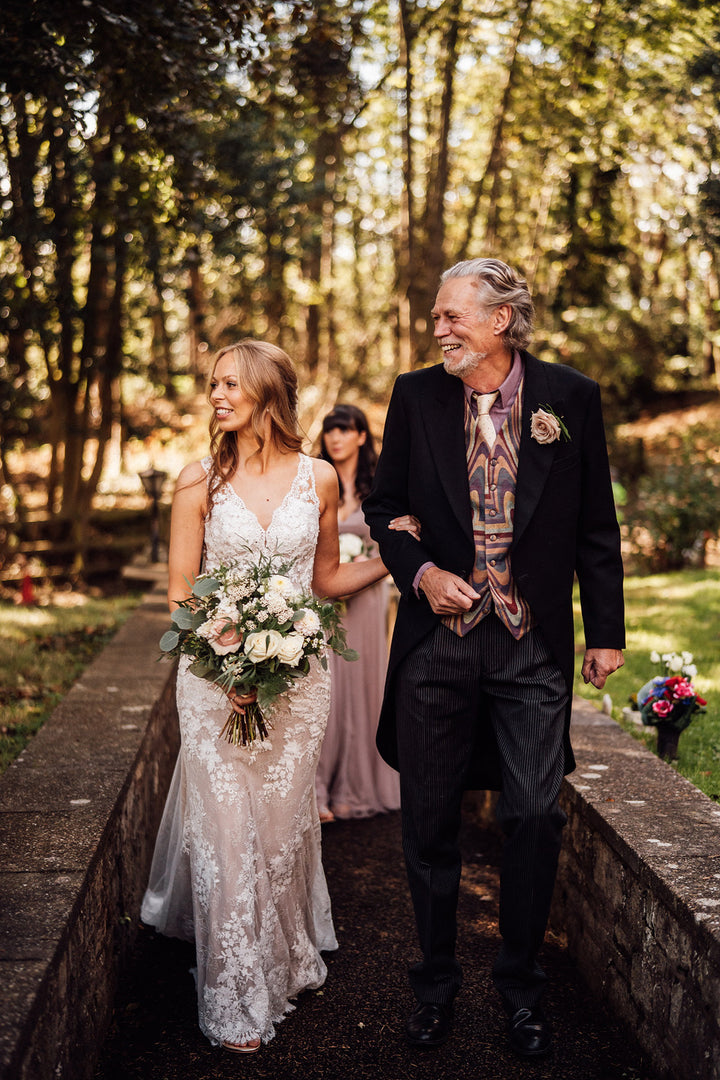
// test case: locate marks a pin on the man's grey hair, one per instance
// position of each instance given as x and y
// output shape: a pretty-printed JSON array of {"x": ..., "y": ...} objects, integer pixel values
[{"x": 498, "y": 284}]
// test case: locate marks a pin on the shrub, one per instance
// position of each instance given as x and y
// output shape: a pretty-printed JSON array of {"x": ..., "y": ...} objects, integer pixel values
[{"x": 676, "y": 510}]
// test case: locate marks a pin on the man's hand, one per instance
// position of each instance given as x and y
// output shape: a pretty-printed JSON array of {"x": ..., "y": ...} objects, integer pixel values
[
  {"x": 599, "y": 663},
  {"x": 446, "y": 593}
]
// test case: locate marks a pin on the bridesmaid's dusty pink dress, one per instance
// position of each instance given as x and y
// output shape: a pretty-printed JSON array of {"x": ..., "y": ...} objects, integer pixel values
[{"x": 352, "y": 779}]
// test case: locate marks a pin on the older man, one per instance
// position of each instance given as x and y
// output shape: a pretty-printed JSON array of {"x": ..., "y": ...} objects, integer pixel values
[{"x": 503, "y": 459}]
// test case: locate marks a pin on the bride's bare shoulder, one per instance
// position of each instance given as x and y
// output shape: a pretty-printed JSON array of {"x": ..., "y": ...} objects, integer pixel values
[
  {"x": 326, "y": 480},
  {"x": 192, "y": 479}
]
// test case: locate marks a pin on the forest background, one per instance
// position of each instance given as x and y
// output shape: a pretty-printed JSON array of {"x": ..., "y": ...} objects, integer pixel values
[{"x": 174, "y": 175}]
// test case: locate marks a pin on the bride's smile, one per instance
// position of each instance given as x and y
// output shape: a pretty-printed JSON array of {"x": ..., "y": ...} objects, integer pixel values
[{"x": 233, "y": 409}]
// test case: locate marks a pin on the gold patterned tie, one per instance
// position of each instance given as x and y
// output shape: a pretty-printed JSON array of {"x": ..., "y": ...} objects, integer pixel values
[{"x": 484, "y": 403}]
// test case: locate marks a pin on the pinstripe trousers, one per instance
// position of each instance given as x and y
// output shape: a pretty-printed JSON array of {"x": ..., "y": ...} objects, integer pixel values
[{"x": 447, "y": 688}]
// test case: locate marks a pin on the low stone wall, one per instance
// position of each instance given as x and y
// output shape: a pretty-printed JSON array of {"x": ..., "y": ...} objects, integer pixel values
[
  {"x": 638, "y": 895},
  {"x": 79, "y": 811}
]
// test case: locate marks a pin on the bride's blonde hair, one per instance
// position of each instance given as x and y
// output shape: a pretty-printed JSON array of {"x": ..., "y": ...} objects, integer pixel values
[{"x": 267, "y": 377}]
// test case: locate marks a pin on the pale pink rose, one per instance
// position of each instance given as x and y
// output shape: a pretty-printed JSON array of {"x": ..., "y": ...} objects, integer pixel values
[
  {"x": 222, "y": 635},
  {"x": 544, "y": 427}
]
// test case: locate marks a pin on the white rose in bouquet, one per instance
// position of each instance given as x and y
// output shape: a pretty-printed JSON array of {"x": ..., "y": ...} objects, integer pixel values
[
  {"x": 262, "y": 645},
  {"x": 291, "y": 649},
  {"x": 278, "y": 583}
]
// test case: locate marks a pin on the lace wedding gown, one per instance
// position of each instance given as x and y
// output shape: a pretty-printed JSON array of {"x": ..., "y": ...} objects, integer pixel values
[{"x": 237, "y": 867}]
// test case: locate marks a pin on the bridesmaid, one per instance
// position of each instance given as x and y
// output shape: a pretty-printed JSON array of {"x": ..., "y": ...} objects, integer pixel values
[{"x": 352, "y": 779}]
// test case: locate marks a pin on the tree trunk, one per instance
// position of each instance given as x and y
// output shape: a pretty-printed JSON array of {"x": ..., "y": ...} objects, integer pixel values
[
  {"x": 197, "y": 317},
  {"x": 161, "y": 368},
  {"x": 496, "y": 157},
  {"x": 405, "y": 254},
  {"x": 712, "y": 320},
  {"x": 431, "y": 262}
]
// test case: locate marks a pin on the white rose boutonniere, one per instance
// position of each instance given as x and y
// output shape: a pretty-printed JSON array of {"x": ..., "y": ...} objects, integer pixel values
[{"x": 547, "y": 427}]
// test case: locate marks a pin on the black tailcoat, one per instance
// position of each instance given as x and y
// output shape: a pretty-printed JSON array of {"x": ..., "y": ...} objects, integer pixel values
[{"x": 564, "y": 522}]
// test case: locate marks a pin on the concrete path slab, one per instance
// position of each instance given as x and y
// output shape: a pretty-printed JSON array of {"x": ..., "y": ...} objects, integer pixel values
[{"x": 352, "y": 1029}]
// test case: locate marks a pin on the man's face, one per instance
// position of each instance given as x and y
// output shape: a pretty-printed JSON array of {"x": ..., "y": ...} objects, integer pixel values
[{"x": 463, "y": 328}]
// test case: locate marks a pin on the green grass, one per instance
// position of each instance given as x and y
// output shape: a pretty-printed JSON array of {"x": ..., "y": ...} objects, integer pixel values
[
  {"x": 43, "y": 650},
  {"x": 672, "y": 612}
]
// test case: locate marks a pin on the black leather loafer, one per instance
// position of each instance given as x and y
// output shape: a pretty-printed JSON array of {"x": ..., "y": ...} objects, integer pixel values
[
  {"x": 529, "y": 1033},
  {"x": 428, "y": 1024}
]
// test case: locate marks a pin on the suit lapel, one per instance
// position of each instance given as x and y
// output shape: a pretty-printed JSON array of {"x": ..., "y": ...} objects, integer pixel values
[
  {"x": 444, "y": 419},
  {"x": 534, "y": 459}
]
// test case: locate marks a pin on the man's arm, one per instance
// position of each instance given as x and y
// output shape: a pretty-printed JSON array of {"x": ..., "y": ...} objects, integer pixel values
[
  {"x": 599, "y": 561},
  {"x": 401, "y": 552},
  {"x": 404, "y": 556}
]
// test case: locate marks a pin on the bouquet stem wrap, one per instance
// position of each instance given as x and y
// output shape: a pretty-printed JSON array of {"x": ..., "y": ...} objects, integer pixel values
[{"x": 244, "y": 725}]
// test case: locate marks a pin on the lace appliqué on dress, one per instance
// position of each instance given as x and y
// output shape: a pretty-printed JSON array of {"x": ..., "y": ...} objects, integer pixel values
[{"x": 237, "y": 861}]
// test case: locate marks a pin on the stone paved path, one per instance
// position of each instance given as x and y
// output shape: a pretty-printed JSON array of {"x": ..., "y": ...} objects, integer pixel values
[{"x": 352, "y": 1029}]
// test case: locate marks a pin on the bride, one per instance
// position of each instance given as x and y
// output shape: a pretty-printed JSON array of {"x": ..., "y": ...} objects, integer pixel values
[{"x": 237, "y": 867}]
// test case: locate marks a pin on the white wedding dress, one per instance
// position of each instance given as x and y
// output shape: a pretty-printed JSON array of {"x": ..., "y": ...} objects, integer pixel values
[{"x": 237, "y": 867}]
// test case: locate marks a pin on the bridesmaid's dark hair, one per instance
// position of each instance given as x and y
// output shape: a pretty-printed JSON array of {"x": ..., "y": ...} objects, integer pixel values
[
  {"x": 267, "y": 376},
  {"x": 347, "y": 417}
]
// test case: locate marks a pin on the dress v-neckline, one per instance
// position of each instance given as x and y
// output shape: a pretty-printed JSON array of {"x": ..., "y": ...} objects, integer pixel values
[{"x": 279, "y": 506}]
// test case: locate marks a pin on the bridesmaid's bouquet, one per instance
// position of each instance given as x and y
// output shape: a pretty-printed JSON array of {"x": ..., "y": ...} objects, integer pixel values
[
  {"x": 250, "y": 629},
  {"x": 352, "y": 547}
]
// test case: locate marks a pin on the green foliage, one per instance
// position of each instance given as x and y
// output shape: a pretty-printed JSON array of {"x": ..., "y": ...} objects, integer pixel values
[
  {"x": 671, "y": 612},
  {"x": 97, "y": 128},
  {"x": 676, "y": 510},
  {"x": 176, "y": 174},
  {"x": 43, "y": 650}
]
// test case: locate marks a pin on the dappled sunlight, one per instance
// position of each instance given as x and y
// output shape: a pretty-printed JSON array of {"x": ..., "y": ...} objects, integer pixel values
[
  {"x": 690, "y": 585},
  {"x": 18, "y": 620}
]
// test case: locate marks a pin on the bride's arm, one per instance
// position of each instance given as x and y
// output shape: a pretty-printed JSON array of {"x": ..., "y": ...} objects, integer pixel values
[
  {"x": 187, "y": 532},
  {"x": 332, "y": 578}
]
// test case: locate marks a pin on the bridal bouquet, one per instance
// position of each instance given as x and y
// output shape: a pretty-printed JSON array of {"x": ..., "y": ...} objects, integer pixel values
[
  {"x": 250, "y": 629},
  {"x": 671, "y": 698},
  {"x": 352, "y": 547}
]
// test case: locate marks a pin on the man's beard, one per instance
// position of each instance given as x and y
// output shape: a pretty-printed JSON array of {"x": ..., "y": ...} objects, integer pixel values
[{"x": 465, "y": 366}]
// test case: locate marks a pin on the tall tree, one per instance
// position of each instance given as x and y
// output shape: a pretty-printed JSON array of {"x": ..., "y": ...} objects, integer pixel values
[
  {"x": 433, "y": 44},
  {"x": 93, "y": 101}
]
